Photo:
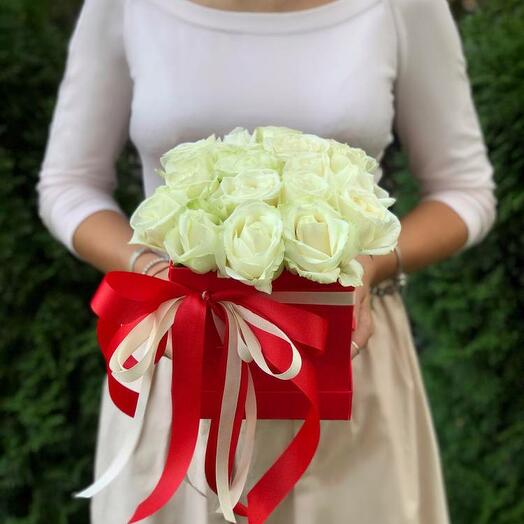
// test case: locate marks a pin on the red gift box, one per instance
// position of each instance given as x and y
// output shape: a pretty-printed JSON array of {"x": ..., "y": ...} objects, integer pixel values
[
  {"x": 279, "y": 399},
  {"x": 231, "y": 348}
]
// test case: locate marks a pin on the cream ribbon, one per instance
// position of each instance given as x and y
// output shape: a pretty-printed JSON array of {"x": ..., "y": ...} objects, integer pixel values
[
  {"x": 149, "y": 330},
  {"x": 243, "y": 345}
]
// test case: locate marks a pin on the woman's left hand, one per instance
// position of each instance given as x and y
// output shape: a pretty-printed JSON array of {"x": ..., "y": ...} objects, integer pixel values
[{"x": 362, "y": 311}]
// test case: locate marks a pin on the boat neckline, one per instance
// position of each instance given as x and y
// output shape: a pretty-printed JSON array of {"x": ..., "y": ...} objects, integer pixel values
[{"x": 298, "y": 20}]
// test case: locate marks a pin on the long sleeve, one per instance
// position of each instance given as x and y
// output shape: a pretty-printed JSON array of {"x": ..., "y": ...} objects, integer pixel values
[
  {"x": 435, "y": 117},
  {"x": 89, "y": 126}
]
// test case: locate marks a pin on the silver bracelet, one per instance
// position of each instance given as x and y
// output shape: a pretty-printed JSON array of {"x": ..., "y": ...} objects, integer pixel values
[
  {"x": 134, "y": 256},
  {"x": 153, "y": 262},
  {"x": 397, "y": 283},
  {"x": 401, "y": 277}
]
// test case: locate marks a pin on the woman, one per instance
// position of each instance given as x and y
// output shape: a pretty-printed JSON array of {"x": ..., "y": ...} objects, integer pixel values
[{"x": 169, "y": 71}]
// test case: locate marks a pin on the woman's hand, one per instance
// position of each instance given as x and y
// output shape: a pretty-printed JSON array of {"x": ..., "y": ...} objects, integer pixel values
[{"x": 362, "y": 311}]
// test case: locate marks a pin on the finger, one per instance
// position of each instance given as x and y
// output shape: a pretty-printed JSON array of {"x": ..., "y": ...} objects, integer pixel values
[
  {"x": 356, "y": 309},
  {"x": 365, "y": 325}
]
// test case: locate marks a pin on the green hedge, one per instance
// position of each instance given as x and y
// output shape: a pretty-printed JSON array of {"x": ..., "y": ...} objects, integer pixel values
[{"x": 466, "y": 311}]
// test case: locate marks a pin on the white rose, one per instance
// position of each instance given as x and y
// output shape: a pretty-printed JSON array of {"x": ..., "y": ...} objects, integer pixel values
[
  {"x": 188, "y": 169},
  {"x": 315, "y": 163},
  {"x": 342, "y": 155},
  {"x": 362, "y": 159},
  {"x": 304, "y": 186},
  {"x": 378, "y": 227},
  {"x": 252, "y": 249},
  {"x": 353, "y": 177},
  {"x": 186, "y": 154},
  {"x": 232, "y": 159},
  {"x": 351, "y": 271},
  {"x": 306, "y": 176},
  {"x": 193, "y": 240},
  {"x": 383, "y": 196},
  {"x": 262, "y": 185},
  {"x": 191, "y": 185},
  {"x": 198, "y": 181},
  {"x": 286, "y": 142},
  {"x": 154, "y": 217},
  {"x": 239, "y": 136},
  {"x": 317, "y": 240},
  {"x": 262, "y": 133}
]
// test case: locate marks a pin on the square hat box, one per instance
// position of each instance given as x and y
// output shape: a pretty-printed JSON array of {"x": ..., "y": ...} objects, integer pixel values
[{"x": 280, "y": 399}]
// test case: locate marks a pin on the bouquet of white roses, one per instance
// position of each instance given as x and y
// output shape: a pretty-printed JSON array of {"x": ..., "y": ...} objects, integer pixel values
[
  {"x": 246, "y": 206},
  {"x": 250, "y": 205}
]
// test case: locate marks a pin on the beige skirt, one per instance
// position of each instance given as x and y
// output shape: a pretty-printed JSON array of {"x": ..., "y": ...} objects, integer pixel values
[{"x": 382, "y": 467}]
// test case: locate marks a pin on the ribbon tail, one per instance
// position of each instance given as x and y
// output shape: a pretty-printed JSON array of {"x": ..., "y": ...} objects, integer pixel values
[
  {"x": 248, "y": 445},
  {"x": 188, "y": 333},
  {"x": 133, "y": 435},
  {"x": 126, "y": 451},
  {"x": 227, "y": 415},
  {"x": 246, "y": 402},
  {"x": 280, "y": 479},
  {"x": 232, "y": 405},
  {"x": 246, "y": 453}
]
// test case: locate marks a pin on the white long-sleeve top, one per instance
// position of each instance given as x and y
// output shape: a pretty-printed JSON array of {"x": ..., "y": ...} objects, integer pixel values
[{"x": 170, "y": 71}]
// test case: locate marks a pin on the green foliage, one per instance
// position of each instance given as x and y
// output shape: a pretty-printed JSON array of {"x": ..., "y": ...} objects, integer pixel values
[
  {"x": 50, "y": 368},
  {"x": 466, "y": 311}
]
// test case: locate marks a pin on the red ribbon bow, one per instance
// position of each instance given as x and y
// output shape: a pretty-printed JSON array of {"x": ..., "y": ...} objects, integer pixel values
[{"x": 123, "y": 299}]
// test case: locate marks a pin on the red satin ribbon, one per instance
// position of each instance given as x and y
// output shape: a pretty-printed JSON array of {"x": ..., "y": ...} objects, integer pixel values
[{"x": 123, "y": 299}]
